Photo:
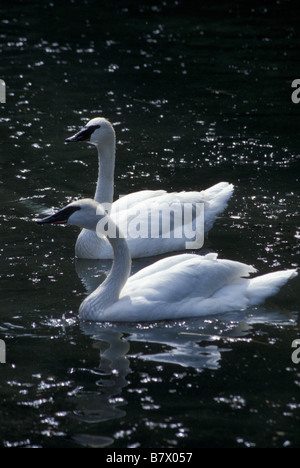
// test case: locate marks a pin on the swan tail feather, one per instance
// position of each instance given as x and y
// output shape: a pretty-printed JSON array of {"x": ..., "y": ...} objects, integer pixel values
[
  {"x": 216, "y": 201},
  {"x": 264, "y": 286}
]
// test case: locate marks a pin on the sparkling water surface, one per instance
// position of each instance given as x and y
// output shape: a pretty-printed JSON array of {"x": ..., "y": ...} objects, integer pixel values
[{"x": 197, "y": 94}]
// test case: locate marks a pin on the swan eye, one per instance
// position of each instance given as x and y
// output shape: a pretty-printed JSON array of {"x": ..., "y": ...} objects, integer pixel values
[
  {"x": 91, "y": 128},
  {"x": 67, "y": 212},
  {"x": 86, "y": 132}
]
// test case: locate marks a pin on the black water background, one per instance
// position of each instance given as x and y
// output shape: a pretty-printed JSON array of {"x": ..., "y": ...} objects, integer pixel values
[{"x": 198, "y": 94}]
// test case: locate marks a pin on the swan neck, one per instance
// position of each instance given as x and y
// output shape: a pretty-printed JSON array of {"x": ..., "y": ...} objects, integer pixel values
[
  {"x": 121, "y": 266},
  {"x": 105, "y": 184},
  {"x": 95, "y": 305}
]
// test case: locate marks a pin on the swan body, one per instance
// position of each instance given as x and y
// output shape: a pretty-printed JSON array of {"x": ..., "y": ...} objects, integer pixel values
[
  {"x": 182, "y": 286},
  {"x": 101, "y": 134}
]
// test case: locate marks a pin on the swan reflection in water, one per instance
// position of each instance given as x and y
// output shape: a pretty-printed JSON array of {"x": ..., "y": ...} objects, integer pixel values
[
  {"x": 103, "y": 404},
  {"x": 196, "y": 343},
  {"x": 185, "y": 338}
]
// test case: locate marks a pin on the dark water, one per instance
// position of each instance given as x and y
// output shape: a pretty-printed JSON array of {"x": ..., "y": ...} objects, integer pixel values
[{"x": 198, "y": 94}]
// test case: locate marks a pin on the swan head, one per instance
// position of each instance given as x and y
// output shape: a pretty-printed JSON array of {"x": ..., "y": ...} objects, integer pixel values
[
  {"x": 84, "y": 213},
  {"x": 98, "y": 132}
]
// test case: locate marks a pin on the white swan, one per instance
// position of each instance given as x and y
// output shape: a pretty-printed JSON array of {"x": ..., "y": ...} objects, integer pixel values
[
  {"x": 100, "y": 133},
  {"x": 185, "y": 285}
]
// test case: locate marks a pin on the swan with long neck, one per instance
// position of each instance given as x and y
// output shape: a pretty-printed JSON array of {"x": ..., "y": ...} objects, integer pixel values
[
  {"x": 181, "y": 286},
  {"x": 100, "y": 133}
]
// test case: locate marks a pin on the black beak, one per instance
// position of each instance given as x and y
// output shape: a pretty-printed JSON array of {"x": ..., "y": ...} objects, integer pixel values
[
  {"x": 61, "y": 217},
  {"x": 84, "y": 134}
]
